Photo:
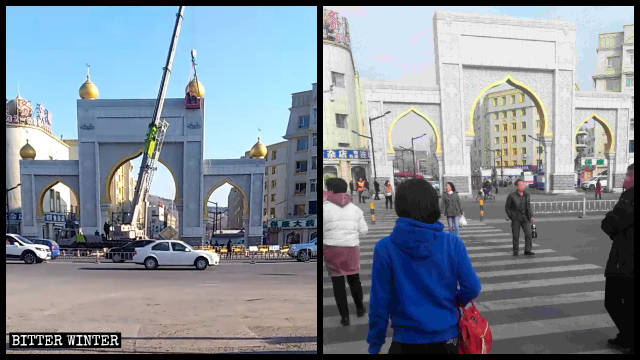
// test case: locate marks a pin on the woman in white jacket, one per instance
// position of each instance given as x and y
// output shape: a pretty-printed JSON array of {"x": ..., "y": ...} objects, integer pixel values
[{"x": 343, "y": 223}]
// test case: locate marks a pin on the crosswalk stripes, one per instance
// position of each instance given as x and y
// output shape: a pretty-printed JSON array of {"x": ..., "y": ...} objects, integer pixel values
[{"x": 560, "y": 297}]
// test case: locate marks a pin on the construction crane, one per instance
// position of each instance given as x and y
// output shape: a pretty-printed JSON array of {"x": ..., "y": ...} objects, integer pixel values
[{"x": 152, "y": 146}]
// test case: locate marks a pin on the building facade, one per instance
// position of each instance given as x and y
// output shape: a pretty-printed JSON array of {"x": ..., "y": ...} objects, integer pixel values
[
  {"x": 614, "y": 61},
  {"x": 234, "y": 206},
  {"x": 345, "y": 153},
  {"x": 275, "y": 184}
]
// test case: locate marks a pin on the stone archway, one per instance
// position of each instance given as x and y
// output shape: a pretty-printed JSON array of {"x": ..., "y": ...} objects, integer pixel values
[
  {"x": 43, "y": 192},
  {"x": 245, "y": 198},
  {"x": 610, "y": 152},
  {"x": 425, "y": 117}
]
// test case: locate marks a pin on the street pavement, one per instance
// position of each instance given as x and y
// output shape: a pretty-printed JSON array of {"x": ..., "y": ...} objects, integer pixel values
[
  {"x": 552, "y": 302},
  {"x": 235, "y": 307}
]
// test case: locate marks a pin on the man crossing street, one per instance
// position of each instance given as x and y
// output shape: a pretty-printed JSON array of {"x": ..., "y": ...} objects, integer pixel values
[{"x": 518, "y": 209}]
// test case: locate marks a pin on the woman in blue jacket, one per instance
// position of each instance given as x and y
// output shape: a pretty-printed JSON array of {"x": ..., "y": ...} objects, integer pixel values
[{"x": 419, "y": 275}]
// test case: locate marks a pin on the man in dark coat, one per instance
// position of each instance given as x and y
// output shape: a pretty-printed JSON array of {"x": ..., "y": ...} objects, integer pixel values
[
  {"x": 618, "y": 293},
  {"x": 351, "y": 187},
  {"x": 518, "y": 209},
  {"x": 376, "y": 188},
  {"x": 229, "y": 248},
  {"x": 106, "y": 229}
]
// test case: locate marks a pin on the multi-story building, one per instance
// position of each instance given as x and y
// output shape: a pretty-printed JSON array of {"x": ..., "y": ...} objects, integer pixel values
[
  {"x": 507, "y": 121},
  {"x": 275, "y": 183},
  {"x": 345, "y": 153},
  {"x": 234, "y": 206},
  {"x": 614, "y": 61},
  {"x": 302, "y": 169},
  {"x": 155, "y": 219}
]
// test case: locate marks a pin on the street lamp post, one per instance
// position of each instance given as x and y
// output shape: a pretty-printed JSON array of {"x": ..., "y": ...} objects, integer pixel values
[
  {"x": 370, "y": 137},
  {"x": 8, "y": 190},
  {"x": 413, "y": 151}
]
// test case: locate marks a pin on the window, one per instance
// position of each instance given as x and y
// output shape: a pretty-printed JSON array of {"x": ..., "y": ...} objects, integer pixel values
[
  {"x": 303, "y": 121},
  {"x": 301, "y": 188},
  {"x": 337, "y": 79},
  {"x": 504, "y": 139},
  {"x": 631, "y": 146},
  {"x": 312, "y": 185},
  {"x": 613, "y": 62},
  {"x": 57, "y": 201},
  {"x": 273, "y": 184},
  {"x": 502, "y": 100},
  {"x": 341, "y": 121},
  {"x": 495, "y": 116},
  {"x": 524, "y": 138},
  {"x": 163, "y": 246},
  {"x": 264, "y": 213},
  {"x": 52, "y": 199},
  {"x": 303, "y": 144},
  {"x": 301, "y": 166},
  {"x": 298, "y": 210},
  {"x": 612, "y": 84},
  {"x": 177, "y": 246},
  {"x": 524, "y": 150},
  {"x": 314, "y": 162},
  {"x": 314, "y": 138},
  {"x": 505, "y": 163},
  {"x": 512, "y": 99},
  {"x": 515, "y": 151},
  {"x": 514, "y": 139},
  {"x": 630, "y": 55},
  {"x": 513, "y": 125},
  {"x": 266, "y": 170},
  {"x": 265, "y": 185},
  {"x": 629, "y": 80},
  {"x": 523, "y": 125},
  {"x": 273, "y": 155},
  {"x": 273, "y": 197},
  {"x": 273, "y": 170},
  {"x": 313, "y": 207},
  {"x": 272, "y": 212},
  {"x": 504, "y": 127},
  {"x": 497, "y": 163},
  {"x": 513, "y": 113},
  {"x": 494, "y": 101},
  {"x": 496, "y": 140},
  {"x": 524, "y": 112},
  {"x": 265, "y": 198},
  {"x": 504, "y": 114},
  {"x": 496, "y": 128},
  {"x": 521, "y": 98},
  {"x": 315, "y": 116}
]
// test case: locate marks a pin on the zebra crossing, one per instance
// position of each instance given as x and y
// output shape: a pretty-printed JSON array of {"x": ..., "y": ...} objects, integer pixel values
[{"x": 548, "y": 303}]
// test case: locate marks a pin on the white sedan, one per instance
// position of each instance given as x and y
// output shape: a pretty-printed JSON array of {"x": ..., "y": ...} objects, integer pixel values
[{"x": 174, "y": 253}]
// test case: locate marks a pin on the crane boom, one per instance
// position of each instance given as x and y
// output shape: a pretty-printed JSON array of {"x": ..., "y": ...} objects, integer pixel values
[{"x": 155, "y": 133}]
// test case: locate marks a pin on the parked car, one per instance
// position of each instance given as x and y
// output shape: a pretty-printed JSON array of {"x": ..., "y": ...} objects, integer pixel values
[
  {"x": 304, "y": 251},
  {"x": 21, "y": 248},
  {"x": 52, "y": 245},
  {"x": 591, "y": 183},
  {"x": 173, "y": 253},
  {"x": 125, "y": 252}
]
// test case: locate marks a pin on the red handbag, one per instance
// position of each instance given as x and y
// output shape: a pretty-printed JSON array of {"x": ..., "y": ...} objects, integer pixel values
[{"x": 474, "y": 332}]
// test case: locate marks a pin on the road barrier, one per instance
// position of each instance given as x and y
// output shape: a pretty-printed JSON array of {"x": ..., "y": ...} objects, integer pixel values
[{"x": 580, "y": 206}]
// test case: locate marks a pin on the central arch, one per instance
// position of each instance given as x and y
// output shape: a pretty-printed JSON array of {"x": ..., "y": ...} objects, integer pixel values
[
  {"x": 245, "y": 198},
  {"x": 607, "y": 131},
  {"x": 425, "y": 117},
  {"x": 518, "y": 85},
  {"x": 122, "y": 161}
]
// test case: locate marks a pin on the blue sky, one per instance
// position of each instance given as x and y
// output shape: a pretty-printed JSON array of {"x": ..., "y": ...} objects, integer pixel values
[
  {"x": 396, "y": 43},
  {"x": 250, "y": 60}
]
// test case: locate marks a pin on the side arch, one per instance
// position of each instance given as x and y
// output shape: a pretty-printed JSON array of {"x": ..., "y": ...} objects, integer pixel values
[
  {"x": 521, "y": 86},
  {"x": 43, "y": 191},
  {"x": 245, "y": 198},
  {"x": 119, "y": 163},
  {"x": 425, "y": 117},
  {"x": 607, "y": 131}
]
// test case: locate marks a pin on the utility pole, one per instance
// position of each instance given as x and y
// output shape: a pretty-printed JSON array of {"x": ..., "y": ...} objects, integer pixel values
[{"x": 413, "y": 152}]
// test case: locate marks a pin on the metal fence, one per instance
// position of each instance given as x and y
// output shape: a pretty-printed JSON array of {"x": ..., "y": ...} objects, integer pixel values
[{"x": 581, "y": 207}]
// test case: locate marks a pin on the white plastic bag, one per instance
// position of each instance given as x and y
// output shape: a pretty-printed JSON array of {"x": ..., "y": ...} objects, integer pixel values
[{"x": 463, "y": 221}]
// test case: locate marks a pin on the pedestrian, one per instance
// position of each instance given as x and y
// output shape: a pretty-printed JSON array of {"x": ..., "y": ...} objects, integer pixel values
[
  {"x": 413, "y": 281},
  {"x": 452, "y": 208},
  {"x": 360, "y": 189},
  {"x": 106, "y": 228},
  {"x": 96, "y": 233},
  {"x": 376, "y": 188},
  {"x": 229, "y": 248},
  {"x": 80, "y": 240},
  {"x": 495, "y": 184},
  {"x": 388, "y": 200},
  {"x": 343, "y": 224},
  {"x": 598, "y": 190},
  {"x": 518, "y": 209},
  {"x": 486, "y": 188},
  {"x": 618, "y": 293},
  {"x": 351, "y": 187}
]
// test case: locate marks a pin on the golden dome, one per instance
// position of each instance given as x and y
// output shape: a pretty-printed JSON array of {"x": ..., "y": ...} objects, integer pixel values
[
  {"x": 194, "y": 88},
  {"x": 28, "y": 152},
  {"x": 88, "y": 90},
  {"x": 258, "y": 150}
]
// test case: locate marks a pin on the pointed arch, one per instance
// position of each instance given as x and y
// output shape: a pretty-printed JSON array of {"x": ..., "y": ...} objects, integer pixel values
[
  {"x": 43, "y": 191},
  {"x": 521, "y": 86},
  {"x": 425, "y": 117},
  {"x": 245, "y": 198},
  {"x": 607, "y": 131}
]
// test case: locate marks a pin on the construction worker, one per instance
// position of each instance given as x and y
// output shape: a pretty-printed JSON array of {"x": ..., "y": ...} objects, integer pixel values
[
  {"x": 80, "y": 240},
  {"x": 360, "y": 189}
]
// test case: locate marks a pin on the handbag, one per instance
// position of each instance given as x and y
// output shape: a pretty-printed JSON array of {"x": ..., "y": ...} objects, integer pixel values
[
  {"x": 474, "y": 332},
  {"x": 463, "y": 221}
]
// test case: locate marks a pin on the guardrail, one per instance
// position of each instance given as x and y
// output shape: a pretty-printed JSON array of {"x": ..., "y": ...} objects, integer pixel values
[{"x": 572, "y": 206}]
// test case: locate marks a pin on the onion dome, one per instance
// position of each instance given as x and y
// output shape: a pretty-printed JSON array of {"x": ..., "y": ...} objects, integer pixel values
[
  {"x": 19, "y": 106},
  {"x": 258, "y": 150},
  {"x": 88, "y": 90},
  {"x": 27, "y": 152},
  {"x": 195, "y": 87}
]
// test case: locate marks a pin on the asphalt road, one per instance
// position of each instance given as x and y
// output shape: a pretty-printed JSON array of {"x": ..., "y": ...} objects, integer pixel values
[
  {"x": 235, "y": 307},
  {"x": 552, "y": 302}
]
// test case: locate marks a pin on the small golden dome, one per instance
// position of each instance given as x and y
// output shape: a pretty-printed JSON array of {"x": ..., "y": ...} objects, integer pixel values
[
  {"x": 258, "y": 150},
  {"x": 28, "y": 152},
  {"x": 195, "y": 87},
  {"x": 11, "y": 105},
  {"x": 88, "y": 90},
  {"x": 21, "y": 105}
]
